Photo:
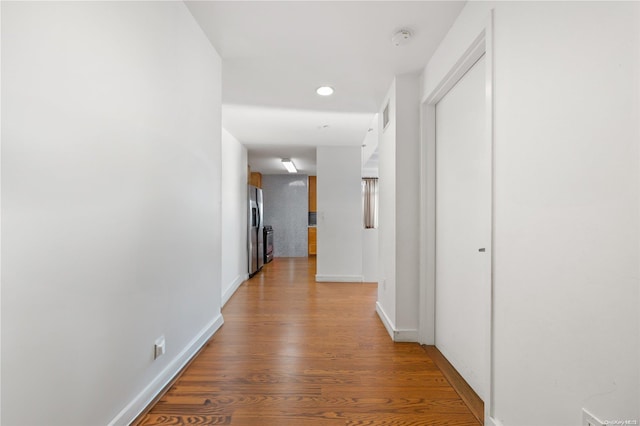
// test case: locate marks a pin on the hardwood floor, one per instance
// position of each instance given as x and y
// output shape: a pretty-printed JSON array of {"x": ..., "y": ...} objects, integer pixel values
[
  {"x": 466, "y": 392},
  {"x": 296, "y": 352}
]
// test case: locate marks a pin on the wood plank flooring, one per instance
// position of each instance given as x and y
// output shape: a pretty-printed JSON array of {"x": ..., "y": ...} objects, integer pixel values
[
  {"x": 300, "y": 353},
  {"x": 466, "y": 392}
]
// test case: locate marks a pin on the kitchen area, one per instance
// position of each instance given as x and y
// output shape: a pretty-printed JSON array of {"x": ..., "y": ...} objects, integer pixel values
[
  {"x": 282, "y": 212},
  {"x": 317, "y": 212}
]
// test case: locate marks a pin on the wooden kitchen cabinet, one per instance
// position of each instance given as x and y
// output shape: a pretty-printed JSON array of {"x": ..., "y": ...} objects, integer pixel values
[
  {"x": 312, "y": 194},
  {"x": 255, "y": 179},
  {"x": 313, "y": 208},
  {"x": 312, "y": 241}
]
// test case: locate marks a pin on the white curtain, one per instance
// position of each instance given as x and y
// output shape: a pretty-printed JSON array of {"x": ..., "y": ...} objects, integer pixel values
[{"x": 370, "y": 202}]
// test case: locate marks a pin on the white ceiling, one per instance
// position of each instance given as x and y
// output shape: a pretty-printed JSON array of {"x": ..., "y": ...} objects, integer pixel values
[{"x": 276, "y": 53}]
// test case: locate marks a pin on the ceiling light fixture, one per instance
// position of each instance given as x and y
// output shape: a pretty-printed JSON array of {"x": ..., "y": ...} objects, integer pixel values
[
  {"x": 324, "y": 91},
  {"x": 288, "y": 164},
  {"x": 401, "y": 37}
]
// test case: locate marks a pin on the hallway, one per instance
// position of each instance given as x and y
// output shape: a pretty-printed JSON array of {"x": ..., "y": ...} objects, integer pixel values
[{"x": 296, "y": 352}]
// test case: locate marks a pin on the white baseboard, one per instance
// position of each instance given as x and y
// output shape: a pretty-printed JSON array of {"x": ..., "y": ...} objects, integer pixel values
[
  {"x": 339, "y": 278},
  {"x": 490, "y": 421},
  {"x": 397, "y": 335},
  {"x": 385, "y": 319},
  {"x": 144, "y": 398},
  {"x": 233, "y": 287},
  {"x": 405, "y": 335}
]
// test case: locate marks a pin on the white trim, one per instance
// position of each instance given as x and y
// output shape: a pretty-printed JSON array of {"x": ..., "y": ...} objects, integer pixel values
[
  {"x": 475, "y": 50},
  {"x": 482, "y": 44},
  {"x": 233, "y": 288},
  {"x": 339, "y": 278},
  {"x": 490, "y": 421},
  {"x": 407, "y": 335},
  {"x": 144, "y": 398},
  {"x": 0, "y": 215},
  {"x": 489, "y": 406},
  {"x": 386, "y": 321},
  {"x": 404, "y": 335}
]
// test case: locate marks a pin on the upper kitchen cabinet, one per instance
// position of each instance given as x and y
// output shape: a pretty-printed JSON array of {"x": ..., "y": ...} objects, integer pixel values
[{"x": 255, "y": 179}]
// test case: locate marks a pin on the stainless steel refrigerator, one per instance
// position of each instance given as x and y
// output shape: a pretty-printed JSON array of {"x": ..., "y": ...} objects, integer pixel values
[{"x": 256, "y": 228}]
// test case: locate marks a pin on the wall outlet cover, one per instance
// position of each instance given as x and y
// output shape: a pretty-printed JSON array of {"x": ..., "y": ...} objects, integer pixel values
[{"x": 159, "y": 347}]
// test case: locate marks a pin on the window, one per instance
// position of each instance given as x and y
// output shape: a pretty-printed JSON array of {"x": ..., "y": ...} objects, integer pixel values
[{"x": 370, "y": 202}]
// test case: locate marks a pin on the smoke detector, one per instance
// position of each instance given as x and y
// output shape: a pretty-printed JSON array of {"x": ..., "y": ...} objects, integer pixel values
[{"x": 401, "y": 37}]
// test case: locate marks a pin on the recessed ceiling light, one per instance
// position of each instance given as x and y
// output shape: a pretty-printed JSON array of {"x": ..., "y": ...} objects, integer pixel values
[{"x": 324, "y": 91}]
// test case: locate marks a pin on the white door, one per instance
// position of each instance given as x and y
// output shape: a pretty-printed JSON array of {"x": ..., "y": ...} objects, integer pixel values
[{"x": 463, "y": 229}]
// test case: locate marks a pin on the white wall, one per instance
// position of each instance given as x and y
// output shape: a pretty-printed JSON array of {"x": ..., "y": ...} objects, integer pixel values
[
  {"x": 369, "y": 146},
  {"x": 370, "y": 237},
  {"x": 370, "y": 249},
  {"x": 339, "y": 198},
  {"x": 399, "y": 209},
  {"x": 407, "y": 199},
  {"x": 111, "y": 205},
  {"x": 386, "y": 304},
  {"x": 286, "y": 209},
  {"x": 234, "y": 215},
  {"x": 566, "y": 215}
]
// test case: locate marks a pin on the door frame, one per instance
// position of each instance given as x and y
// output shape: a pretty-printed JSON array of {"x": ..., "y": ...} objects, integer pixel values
[{"x": 482, "y": 44}]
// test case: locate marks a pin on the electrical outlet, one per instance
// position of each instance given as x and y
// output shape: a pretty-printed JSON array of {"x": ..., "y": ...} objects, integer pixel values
[
  {"x": 589, "y": 419},
  {"x": 159, "y": 347}
]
